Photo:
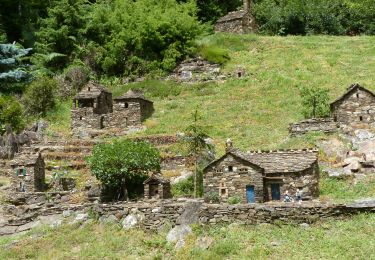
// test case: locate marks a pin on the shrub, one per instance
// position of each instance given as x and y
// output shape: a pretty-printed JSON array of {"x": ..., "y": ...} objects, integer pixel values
[
  {"x": 234, "y": 200},
  {"x": 213, "y": 197},
  {"x": 40, "y": 96},
  {"x": 123, "y": 165},
  {"x": 72, "y": 80},
  {"x": 184, "y": 188},
  {"x": 11, "y": 112}
]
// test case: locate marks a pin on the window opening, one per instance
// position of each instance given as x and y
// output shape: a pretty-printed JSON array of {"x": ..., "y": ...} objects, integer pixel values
[
  {"x": 230, "y": 168},
  {"x": 360, "y": 118},
  {"x": 357, "y": 95}
]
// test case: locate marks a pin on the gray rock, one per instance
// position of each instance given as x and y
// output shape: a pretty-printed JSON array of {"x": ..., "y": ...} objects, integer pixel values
[
  {"x": 8, "y": 230},
  {"x": 178, "y": 233},
  {"x": 304, "y": 225},
  {"x": 66, "y": 213},
  {"x": 111, "y": 219},
  {"x": 338, "y": 173},
  {"x": 334, "y": 148},
  {"x": 81, "y": 217},
  {"x": 180, "y": 244},
  {"x": 56, "y": 223},
  {"x": 363, "y": 203},
  {"x": 129, "y": 222},
  {"x": 185, "y": 174},
  {"x": 362, "y": 134},
  {"x": 29, "y": 226},
  {"x": 190, "y": 214}
]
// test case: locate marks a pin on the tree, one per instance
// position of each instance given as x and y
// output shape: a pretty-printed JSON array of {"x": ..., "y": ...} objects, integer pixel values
[
  {"x": 40, "y": 96},
  {"x": 122, "y": 163},
  {"x": 315, "y": 102},
  {"x": 198, "y": 147},
  {"x": 13, "y": 71},
  {"x": 11, "y": 112}
]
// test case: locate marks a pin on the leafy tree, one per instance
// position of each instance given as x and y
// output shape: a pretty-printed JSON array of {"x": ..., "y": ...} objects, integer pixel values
[
  {"x": 12, "y": 68},
  {"x": 122, "y": 163},
  {"x": 60, "y": 32},
  {"x": 198, "y": 147},
  {"x": 40, "y": 96},
  {"x": 11, "y": 112},
  {"x": 315, "y": 102},
  {"x": 136, "y": 37}
]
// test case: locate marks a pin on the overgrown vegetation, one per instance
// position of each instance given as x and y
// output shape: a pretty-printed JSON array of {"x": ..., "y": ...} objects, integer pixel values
[
  {"x": 11, "y": 112},
  {"x": 315, "y": 102}
]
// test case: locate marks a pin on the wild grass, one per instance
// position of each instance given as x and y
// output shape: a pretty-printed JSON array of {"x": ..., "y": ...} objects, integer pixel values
[
  {"x": 255, "y": 111},
  {"x": 334, "y": 239}
]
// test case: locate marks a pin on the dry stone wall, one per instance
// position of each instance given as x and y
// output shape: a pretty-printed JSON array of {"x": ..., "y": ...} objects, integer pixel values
[{"x": 326, "y": 125}]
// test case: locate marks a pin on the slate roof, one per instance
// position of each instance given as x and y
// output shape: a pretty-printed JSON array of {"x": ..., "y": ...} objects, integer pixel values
[
  {"x": 156, "y": 177},
  {"x": 281, "y": 161},
  {"x": 133, "y": 94},
  {"x": 232, "y": 16},
  {"x": 26, "y": 160},
  {"x": 95, "y": 90},
  {"x": 349, "y": 91}
]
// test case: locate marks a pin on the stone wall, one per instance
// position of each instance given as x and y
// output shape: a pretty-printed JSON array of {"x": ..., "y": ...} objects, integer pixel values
[
  {"x": 156, "y": 214},
  {"x": 326, "y": 125},
  {"x": 229, "y": 177},
  {"x": 233, "y": 26}
]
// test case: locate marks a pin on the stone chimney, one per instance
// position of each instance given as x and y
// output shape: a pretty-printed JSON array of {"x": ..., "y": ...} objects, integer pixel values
[
  {"x": 247, "y": 5},
  {"x": 228, "y": 145}
]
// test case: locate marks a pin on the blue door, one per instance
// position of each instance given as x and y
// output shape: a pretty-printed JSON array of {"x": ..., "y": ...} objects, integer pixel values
[
  {"x": 250, "y": 194},
  {"x": 275, "y": 191}
]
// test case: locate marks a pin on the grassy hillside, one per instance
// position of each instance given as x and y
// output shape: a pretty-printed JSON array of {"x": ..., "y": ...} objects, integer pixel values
[
  {"x": 255, "y": 111},
  {"x": 340, "y": 239}
]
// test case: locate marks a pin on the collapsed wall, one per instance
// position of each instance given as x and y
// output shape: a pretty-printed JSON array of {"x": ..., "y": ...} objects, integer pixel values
[{"x": 325, "y": 125}]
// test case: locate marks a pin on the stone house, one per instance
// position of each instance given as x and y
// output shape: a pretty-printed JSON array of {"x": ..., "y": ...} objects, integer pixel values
[
  {"x": 237, "y": 22},
  {"x": 156, "y": 186},
  {"x": 29, "y": 173},
  {"x": 355, "y": 108},
  {"x": 131, "y": 109},
  {"x": 262, "y": 176},
  {"x": 94, "y": 109}
]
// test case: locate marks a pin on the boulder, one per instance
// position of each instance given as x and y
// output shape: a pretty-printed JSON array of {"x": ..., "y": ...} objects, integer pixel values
[
  {"x": 334, "y": 148},
  {"x": 178, "y": 233},
  {"x": 204, "y": 242},
  {"x": 129, "y": 222},
  {"x": 82, "y": 217},
  {"x": 338, "y": 173},
  {"x": 185, "y": 174},
  {"x": 111, "y": 219},
  {"x": 362, "y": 134},
  {"x": 190, "y": 214}
]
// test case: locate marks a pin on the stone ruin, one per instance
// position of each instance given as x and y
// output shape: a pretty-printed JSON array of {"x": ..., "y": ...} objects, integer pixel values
[
  {"x": 157, "y": 187},
  {"x": 238, "y": 22},
  {"x": 353, "y": 110},
  {"x": 94, "y": 109},
  {"x": 28, "y": 174}
]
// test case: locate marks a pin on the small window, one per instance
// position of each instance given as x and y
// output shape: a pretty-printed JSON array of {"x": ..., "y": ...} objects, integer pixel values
[
  {"x": 126, "y": 105},
  {"x": 357, "y": 95},
  {"x": 360, "y": 118},
  {"x": 239, "y": 74},
  {"x": 230, "y": 168},
  {"x": 368, "y": 111},
  {"x": 89, "y": 89},
  {"x": 80, "y": 118},
  {"x": 223, "y": 192}
]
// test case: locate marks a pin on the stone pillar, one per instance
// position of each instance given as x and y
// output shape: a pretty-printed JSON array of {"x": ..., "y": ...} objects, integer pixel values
[{"x": 247, "y": 5}]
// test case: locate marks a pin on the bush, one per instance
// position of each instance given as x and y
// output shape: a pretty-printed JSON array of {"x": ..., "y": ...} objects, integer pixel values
[
  {"x": 40, "y": 96},
  {"x": 234, "y": 200},
  {"x": 213, "y": 197},
  {"x": 184, "y": 188},
  {"x": 11, "y": 112}
]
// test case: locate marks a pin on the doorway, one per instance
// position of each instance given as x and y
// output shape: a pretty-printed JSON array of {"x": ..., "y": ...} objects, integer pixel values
[
  {"x": 250, "y": 194},
  {"x": 275, "y": 191}
]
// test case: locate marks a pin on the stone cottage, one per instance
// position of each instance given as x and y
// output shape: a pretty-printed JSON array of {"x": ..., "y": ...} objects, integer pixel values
[
  {"x": 156, "y": 186},
  {"x": 90, "y": 107},
  {"x": 131, "y": 109},
  {"x": 262, "y": 176},
  {"x": 94, "y": 109},
  {"x": 355, "y": 108},
  {"x": 28, "y": 173},
  {"x": 237, "y": 22}
]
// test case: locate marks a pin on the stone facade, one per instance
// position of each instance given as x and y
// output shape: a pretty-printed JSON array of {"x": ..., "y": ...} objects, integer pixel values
[
  {"x": 237, "y": 22},
  {"x": 157, "y": 187},
  {"x": 356, "y": 108},
  {"x": 29, "y": 174},
  {"x": 94, "y": 109},
  {"x": 262, "y": 176},
  {"x": 325, "y": 125}
]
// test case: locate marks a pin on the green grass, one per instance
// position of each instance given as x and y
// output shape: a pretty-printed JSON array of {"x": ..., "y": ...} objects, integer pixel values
[
  {"x": 255, "y": 111},
  {"x": 333, "y": 239}
]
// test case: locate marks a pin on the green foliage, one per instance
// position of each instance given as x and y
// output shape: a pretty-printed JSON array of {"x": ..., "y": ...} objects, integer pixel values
[
  {"x": 136, "y": 37},
  {"x": 335, "y": 17},
  {"x": 11, "y": 112},
  {"x": 40, "y": 96},
  {"x": 315, "y": 101},
  {"x": 213, "y": 197},
  {"x": 234, "y": 200},
  {"x": 12, "y": 67},
  {"x": 214, "y": 54},
  {"x": 61, "y": 31},
  {"x": 123, "y": 162},
  {"x": 184, "y": 188}
]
